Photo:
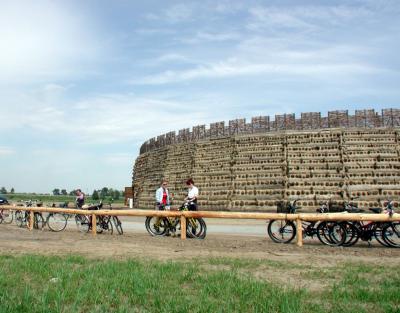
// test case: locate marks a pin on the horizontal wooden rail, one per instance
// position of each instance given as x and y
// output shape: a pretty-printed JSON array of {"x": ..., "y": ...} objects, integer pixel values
[{"x": 311, "y": 217}]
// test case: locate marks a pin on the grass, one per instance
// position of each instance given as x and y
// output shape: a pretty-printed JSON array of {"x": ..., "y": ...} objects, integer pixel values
[{"x": 76, "y": 284}]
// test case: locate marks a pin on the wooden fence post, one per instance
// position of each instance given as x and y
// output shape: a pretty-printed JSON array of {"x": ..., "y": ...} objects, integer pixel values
[
  {"x": 299, "y": 232},
  {"x": 183, "y": 227},
  {"x": 31, "y": 219},
  {"x": 94, "y": 225}
]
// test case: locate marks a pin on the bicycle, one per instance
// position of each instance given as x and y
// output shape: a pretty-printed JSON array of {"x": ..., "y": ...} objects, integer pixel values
[
  {"x": 103, "y": 223},
  {"x": 327, "y": 232},
  {"x": 6, "y": 216},
  {"x": 162, "y": 226},
  {"x": 386, "y": 233},
  {"x": 116, "y": 221}
]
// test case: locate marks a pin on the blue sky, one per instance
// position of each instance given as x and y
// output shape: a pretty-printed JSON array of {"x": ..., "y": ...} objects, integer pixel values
[{"x": 84, "y": 83}]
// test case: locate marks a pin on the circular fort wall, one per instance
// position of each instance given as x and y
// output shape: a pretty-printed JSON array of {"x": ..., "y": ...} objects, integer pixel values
[{"x": 253, "y": 172}]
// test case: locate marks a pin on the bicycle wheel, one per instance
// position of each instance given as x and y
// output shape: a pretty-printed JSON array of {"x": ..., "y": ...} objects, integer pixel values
[
  {"x": 82, "y": 223},
  {"x": 20, "y": 218},
  {"x": 104, "y": 225},
  {"x": 118, "y": 225},
  {"x": 156, "y": 226},
  {"x": 331, "y": 233},
  {"x": 378, "y": 234},
  {"x": 38, "y": 221},
  {"x": 56, "y": 221},
  {"x": 391, "y": 234},
  {"x": 7, "y": 216},
  {"x": 281, "y": 231},
  {"x": 352, "y": 234},
  {"x": 196, "y": 228}
]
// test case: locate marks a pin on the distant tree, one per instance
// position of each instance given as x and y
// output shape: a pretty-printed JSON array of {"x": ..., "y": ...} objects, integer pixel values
[
  {"x": 95, "y": 195},
  {"x": 104, "y": 193},
  {"x": 116, "y": 194},
  {"x": 12, "y": 190},
  {"x": 72, "y": 192},
  {"x": 3, "y": 190},
  {"x": 64, "y": 192},
  {"x": 56, "y": 192}
]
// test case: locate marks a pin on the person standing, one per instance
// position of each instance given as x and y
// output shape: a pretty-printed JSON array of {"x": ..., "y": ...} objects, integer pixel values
[
  {"x": 193, "y": 194},
  {"x": 80, "y": 198},
  {"x": 162, "y": 196}
]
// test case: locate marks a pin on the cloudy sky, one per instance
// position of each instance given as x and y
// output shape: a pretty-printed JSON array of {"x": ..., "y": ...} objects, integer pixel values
[{"x": 84, "y": 83}]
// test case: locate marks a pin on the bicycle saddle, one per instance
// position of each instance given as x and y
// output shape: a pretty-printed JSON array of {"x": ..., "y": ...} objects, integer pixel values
[
  {"x": 376, "y": 210},
  {"x": 355, "y": 210}
]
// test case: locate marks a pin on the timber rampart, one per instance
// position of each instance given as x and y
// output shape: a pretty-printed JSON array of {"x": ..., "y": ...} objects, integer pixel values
[{"x": 250, "y": 167}]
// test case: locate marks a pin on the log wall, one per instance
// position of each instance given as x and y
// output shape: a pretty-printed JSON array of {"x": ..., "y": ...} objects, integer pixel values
[{"x": 244, "y": 170}]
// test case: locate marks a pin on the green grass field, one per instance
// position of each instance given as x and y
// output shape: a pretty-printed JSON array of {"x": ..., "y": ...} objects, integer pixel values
[{"x": 76, "y": 284}]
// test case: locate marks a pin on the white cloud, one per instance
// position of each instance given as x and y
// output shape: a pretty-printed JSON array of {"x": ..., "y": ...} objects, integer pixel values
[
  {"x": 308, "y": 18},
  {"x": 6, "y": 151},
  {"x": 42, "y": 39},
  {"x": 235, "y": 68}
]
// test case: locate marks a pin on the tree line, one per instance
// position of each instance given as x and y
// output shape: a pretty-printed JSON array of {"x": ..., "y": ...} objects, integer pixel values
[
  {"x": 97, "y": 194},
  {"x": 4, "y": 191}
]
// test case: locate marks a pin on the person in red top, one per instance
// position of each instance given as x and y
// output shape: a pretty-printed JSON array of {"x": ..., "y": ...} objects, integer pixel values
[{"x": 162, "y": 196}]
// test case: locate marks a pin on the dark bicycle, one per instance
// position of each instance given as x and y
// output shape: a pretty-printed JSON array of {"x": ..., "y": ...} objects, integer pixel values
[
  {"x": 386, "y": 233},
  {"x": 330, "y": 233},
  {"x": 103, "y": 223}
]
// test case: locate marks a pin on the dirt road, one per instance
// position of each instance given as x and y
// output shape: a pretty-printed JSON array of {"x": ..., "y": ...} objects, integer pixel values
[{"x": 225, "y": 238}]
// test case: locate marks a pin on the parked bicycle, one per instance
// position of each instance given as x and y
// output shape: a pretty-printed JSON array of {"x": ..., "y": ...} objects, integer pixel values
[
  {"x": 104, "y": 223},
  {"x": 162, "y": 226},
  {"x": 6, "y": 215},
  {"x": 330, "y": 233},
  {"x": 386, "y": 233},
  {"x": 55, "y": 221}
]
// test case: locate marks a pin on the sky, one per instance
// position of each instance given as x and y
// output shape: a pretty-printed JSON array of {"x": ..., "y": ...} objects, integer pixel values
[{"x": 84, "y": 83}]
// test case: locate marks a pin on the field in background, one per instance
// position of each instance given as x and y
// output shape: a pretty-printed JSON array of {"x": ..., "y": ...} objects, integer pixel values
[
  {"x": 77, "y": 284},
  {"x": 48, "y": 199}
]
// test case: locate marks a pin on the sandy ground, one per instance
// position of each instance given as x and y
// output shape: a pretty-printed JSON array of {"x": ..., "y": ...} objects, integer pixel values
[{"x": 225, "y": 238}]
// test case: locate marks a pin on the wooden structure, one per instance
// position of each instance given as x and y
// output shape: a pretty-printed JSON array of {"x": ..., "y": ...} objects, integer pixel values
[{"x": 183, "y": 215}]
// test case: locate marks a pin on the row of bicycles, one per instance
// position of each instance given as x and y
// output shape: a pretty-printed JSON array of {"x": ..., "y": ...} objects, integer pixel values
[
  {"x": 338, "y": 233},
  {"x": 57, "y": 222}
]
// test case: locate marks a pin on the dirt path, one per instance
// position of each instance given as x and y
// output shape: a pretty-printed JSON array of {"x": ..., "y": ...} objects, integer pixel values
[{"x": 138, "y": 243}]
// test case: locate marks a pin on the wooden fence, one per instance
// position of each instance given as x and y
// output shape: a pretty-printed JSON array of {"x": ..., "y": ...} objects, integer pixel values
[{"x": 183, "y": 215}]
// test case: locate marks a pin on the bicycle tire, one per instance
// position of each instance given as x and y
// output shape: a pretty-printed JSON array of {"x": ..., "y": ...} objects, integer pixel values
[
  {"x": 378, "y": 234},
  {"x": 38, "y": 221},
  {"x": 352, "y": 234},
  {"x": 82, "y": 223},
  {"x": 281, "y": 231},
  {"x": 156, "y": 226},
  {"x": 196, "y": 228},
  {"x": 7, "y": 216},
  {"x": 20, "y": 218},
  {"x": 105, "y": 225},
  {"x": 391, "y": 234},
  {"x": 56, "y": 222},
  {"x": 337, "y": 233},
  {"x": 118, "y": 225},
  {"x": 331, "y": 233}
]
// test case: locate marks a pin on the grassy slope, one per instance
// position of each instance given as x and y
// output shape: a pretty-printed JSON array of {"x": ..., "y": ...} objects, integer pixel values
[{"x": 75, "y": 284}]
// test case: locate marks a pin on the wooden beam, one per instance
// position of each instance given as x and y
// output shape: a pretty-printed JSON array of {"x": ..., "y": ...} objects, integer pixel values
[
  {"x": 299, "y": 233},
  {"x": 94, "y": 224},
  {"x": 31, "y": 219},
  {"x": 183, "y": 227}
]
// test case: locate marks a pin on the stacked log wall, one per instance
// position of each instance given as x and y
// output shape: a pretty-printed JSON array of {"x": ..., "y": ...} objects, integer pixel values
[{"x": 248, "y": 167}]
